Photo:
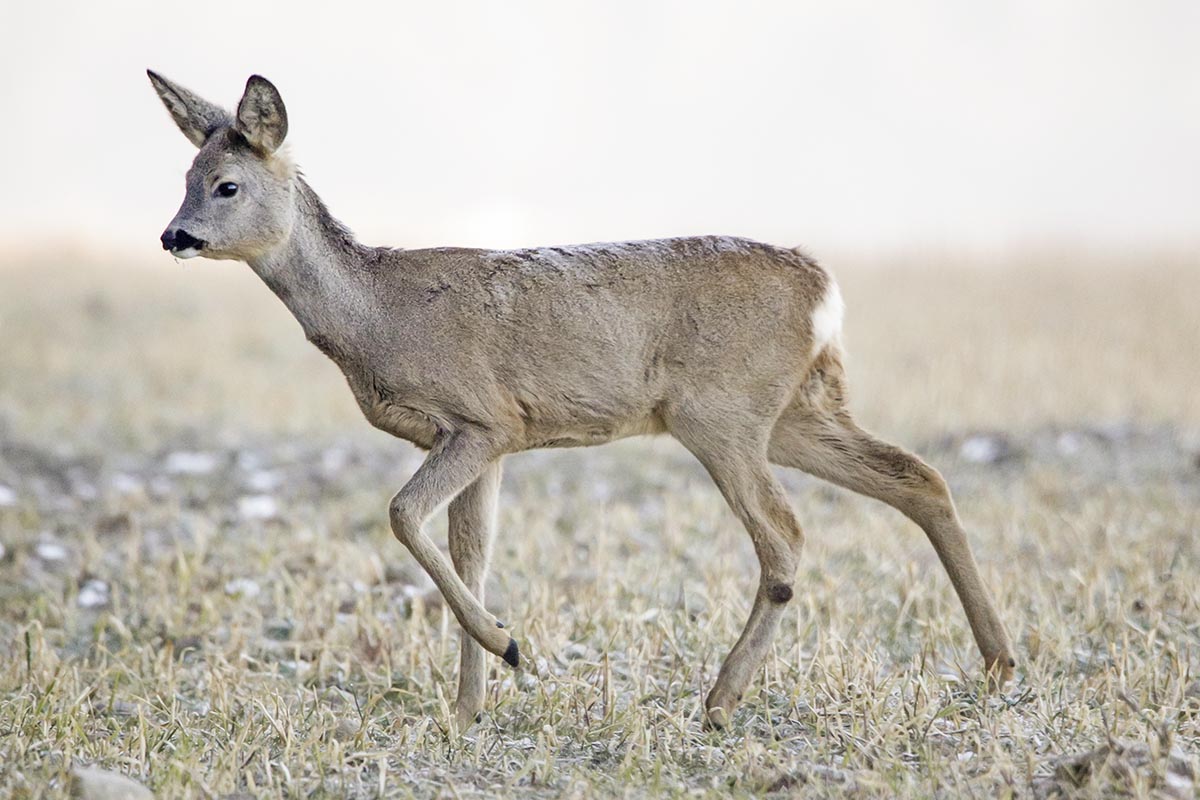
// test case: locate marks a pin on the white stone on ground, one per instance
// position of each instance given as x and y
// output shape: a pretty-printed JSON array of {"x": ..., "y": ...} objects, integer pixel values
[
  {"x": 258, "y": 506},
  {"x": 90, "y": 783},
  {"x": 264, "y": 480},
  {"x": 127, "y": 484},
  {"x": 183, "y": 462},
  {"x": 93, "y": 594},
  {"x": 242, "y": 587},
  {"x": 981, "y": 449},
  {"x": 50, "y": 551}
]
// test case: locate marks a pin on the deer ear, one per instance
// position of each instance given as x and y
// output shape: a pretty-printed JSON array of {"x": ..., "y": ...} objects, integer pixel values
[
  {"x": 261, "y": 117},
  {"x": 196, "y": 117}
]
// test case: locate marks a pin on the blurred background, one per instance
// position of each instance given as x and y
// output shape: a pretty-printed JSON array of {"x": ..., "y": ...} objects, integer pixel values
[
  {"x": 969, "y": 172},
  {"x": 858, "y": 125}
]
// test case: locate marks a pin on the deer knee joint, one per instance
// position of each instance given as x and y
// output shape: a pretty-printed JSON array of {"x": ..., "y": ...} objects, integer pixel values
[
  {"x": 512, "y": 655},
  {"x": 404, "y": 524}
]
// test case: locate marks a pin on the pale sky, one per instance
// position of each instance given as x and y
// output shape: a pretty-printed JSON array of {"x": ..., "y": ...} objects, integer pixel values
[{"x": 833, "y": 125}]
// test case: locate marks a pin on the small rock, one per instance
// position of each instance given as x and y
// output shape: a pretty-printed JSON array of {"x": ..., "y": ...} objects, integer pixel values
[
  {"x": 334, "y": 460},
  {"x": 264, "y": 480},
  {"x": 242, "y": 587},
  {"x": 339, "y": 699},
  {"x": 299, "y": 669},
  {"x": 527, "y": 679},
  {"x": 576, "y": 651},
  {"x": 8, "y": 497},
  {"x": 249, "y": 460},
  {"x": 1069, "y": 443},
  {"x": 258, "y": 507},
  {"x": 985, "y": 449},
  {"x": 124, "y": 708},
  {"x": 1191, "y": 697},
  {"x": 345, "y": 707},
  {"x": 347, "y": 727},
  {"x": 114, "y": 524},
  {"x": 123, "y": 483},
  {"x": 85, "y": 491},
  {"x": 188, "y": 463},
  {"x": 1115, "y": 432},
  {"x": 93, "y": 594},
  {"x": 949, "y": 676},
  {"x": 50, "y": 551},
  {"x": 1179, "y": 785},
  {"x": 90, "y": 783},
  {"x": 280, "y": 630},
  {"x": 815, "y": 774}
]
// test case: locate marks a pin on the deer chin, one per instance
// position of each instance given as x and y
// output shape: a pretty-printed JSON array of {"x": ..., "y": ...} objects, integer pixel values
[{"x": 187, "y": 252}]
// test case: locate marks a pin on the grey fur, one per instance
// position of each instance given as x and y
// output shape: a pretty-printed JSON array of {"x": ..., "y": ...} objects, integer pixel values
[{"x": 475, "y": 354}]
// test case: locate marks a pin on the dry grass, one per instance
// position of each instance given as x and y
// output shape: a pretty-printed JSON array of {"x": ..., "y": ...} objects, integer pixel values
[{"x": 159, "y": 618}]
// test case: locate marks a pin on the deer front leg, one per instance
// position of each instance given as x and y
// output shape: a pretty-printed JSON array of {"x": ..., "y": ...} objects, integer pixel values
[
  {"x": 456, "y": 461},
  {"x": 472, "y": 529}
]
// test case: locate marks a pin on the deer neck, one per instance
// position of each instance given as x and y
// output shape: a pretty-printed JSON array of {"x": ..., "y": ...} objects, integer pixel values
[{"x": 317, "y": 271}]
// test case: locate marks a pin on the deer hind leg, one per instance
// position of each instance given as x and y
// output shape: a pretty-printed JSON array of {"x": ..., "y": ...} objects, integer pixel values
[
  {"x": 739, "y": 468},
  {"x": 455, "y": 462},
  {"x": 830, "y": 446},
  {"x": 472, "y": 528}
]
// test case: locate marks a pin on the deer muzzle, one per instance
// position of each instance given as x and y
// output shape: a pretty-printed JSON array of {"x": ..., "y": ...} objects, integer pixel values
[{"x": 181, "y": 243}]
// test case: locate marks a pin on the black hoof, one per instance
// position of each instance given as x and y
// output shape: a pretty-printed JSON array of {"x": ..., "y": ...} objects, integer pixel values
[
  {"x": 512, "y": 656},
  {"x": 779, "y": 593}
]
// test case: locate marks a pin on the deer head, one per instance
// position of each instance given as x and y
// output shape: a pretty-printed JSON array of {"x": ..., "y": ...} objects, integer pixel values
[{"x": 239, "y": 200}]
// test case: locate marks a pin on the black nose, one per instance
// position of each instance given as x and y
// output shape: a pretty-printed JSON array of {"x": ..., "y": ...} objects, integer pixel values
[{"x": 180, "y": 240}]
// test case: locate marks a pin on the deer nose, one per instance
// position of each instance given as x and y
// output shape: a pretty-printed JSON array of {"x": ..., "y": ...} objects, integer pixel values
[{"x": 180, "y": 240}]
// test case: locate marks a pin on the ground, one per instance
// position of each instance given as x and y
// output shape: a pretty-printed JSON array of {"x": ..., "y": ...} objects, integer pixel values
[{"x": 199, "y": 590}]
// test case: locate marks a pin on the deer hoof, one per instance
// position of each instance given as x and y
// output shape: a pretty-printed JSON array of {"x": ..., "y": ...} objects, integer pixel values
[
  {"x": 1000, "y": 671},
  {"x": 512, "y": 656},
  {"x": 716, "y": 718}
]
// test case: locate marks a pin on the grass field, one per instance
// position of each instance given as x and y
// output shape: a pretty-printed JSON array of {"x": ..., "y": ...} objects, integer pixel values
[{"x": 199, "y": 590}]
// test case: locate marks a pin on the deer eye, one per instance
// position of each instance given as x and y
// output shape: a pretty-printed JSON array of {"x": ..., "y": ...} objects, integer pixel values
[{"x": 227, "y": 189}]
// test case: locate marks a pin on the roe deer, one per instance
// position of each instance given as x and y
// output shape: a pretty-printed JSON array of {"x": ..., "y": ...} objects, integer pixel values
[{"x": 729, "y": 345}]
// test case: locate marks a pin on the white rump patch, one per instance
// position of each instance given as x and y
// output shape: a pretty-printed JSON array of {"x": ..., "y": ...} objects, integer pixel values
[{"x": 827, "y": 317}]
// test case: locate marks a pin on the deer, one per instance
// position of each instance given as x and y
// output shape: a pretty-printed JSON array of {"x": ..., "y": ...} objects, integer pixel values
[{"x": 731, "y": 346}]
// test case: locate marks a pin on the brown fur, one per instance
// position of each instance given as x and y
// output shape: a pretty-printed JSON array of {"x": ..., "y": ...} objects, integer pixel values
[{"x": 475, "y": 354}]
